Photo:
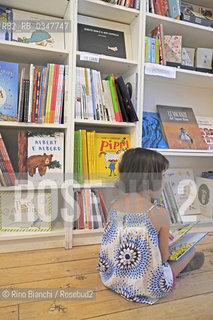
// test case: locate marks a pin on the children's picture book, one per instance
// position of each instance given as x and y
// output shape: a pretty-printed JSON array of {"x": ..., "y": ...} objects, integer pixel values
[
  {"x": 188, "y": 57},
  {"x": 109, "y": 149},
  {"x": 5, "y": 20},
  {"x": 205, "y": 196},
  {"x": 173, "y": 49},
  {"x": 180, "y": 128},
  {"x": 206, "y": 128},
  {"x": 45, "y": 158},
  {"x": 25, "y": 211},
  {"x": 8, "y": 91},
  {"x": 178, "y": 249},
  {"x": 152, "y": 134},
  {"x": 52, "y": 36},
  {"x": 101, "y": 41},
  {"x": 180, "y": 232},
  {"x": 184, "y": 189}
]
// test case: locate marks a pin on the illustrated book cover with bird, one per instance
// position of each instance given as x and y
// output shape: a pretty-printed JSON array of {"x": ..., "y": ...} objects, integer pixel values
[{"x": 180, "y": 128}]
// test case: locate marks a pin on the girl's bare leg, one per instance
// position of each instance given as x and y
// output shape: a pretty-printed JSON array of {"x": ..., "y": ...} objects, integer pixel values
[{"x": 178, "y": 266}]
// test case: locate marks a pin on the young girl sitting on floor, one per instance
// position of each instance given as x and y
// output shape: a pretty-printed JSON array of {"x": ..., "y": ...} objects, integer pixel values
[{"x": 134, "y": 250}]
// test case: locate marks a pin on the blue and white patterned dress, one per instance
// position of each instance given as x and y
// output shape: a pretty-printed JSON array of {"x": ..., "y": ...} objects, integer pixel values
[{"x": 130, "y": 259}]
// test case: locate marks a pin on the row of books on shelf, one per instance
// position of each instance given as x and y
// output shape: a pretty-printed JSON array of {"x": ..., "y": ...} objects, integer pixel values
[
  {"x": 108, "y": 99},
  {"x": 97, "y": 155},
  {"x": 39, "y": 97},
  {"x": 135, "y": 4},
  {"x": 40, "y": 156},
  {"x": 172, "y": 52},
  {"x": 176, "y": 128},
  {"x": 29, "y": 28},
  {"x": 90, "y": 211},
  {"x": 176, "y": 9}
]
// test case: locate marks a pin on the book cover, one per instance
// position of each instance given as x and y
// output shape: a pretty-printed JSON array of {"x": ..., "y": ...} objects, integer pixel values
[
  {"x": 206, "y": 128},
  {"x": 174, "y": 8},
  {"x": 25, "y": 211},
  {"x": 180, "y": 128},
  {"x": 9, "y": 172},
  {"x": 183, "y": 245},
  {"x": 180, "y": 232},
  {"x": 184, "y": 189},
  {"x": 101, "y": 41},
  {"x": 5, "y": 19},
  {"x": 173, "y": 49},
  {"x": 8, "y": 91},
  {"x": 37, "y": 34},
  {"x": 188, "y": 57},
  {"x": 45, "y": 156},
  {"x": 158, "y": 33},
  {"x": 152, "y": 134},
  {"x": 109, "y": 149},
  {"x": 205, "y": 196}
]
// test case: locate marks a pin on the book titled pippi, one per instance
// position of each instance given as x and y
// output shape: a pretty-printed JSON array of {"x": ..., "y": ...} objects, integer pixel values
[{"x": 109, "y": 151}]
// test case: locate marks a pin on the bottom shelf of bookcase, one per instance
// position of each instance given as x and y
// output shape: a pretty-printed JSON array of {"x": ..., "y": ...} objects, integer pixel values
[
  {"x": 86, "y": 237},
  {"x": 23, "y": 241}
]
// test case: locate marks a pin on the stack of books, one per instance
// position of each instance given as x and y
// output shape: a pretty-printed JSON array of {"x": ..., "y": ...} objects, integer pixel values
[{"x": 90, "y": 210}]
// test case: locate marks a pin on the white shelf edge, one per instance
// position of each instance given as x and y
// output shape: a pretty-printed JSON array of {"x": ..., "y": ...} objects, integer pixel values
[
  {"x": 10, "y": 235},
  {"x": 113, "y": 6},
  {"x": 185, "y": 152},
  {"x": 109, "y": 58},
  {"x": 26, "y": 188},
  {"x": 88, "y": 231},
  {"x": 93, "y": 185},
  {"x": 32, "y": 125},
  {"x": 105, "y": 123},
  {"x": 14, "y": 44},
  {"x": 180, "y": 22}
]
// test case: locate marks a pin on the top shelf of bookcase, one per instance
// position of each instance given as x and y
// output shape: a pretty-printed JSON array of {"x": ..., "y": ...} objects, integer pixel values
[
  {"x": 193, "y": 34},
  {"x": 203, "y": 3},
  {"x": 50, "y": 8},
  {"x": 13, "y": 51},
  {"x": 107, "y": 11}
]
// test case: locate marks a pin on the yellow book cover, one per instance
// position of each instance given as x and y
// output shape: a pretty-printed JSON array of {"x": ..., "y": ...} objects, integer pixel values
[
  {"x": 84, "y": 156},
  {"x": 49, "y": 92},
  {"x": 93, "y": 158},
  {"x": 109, "y": 149}
]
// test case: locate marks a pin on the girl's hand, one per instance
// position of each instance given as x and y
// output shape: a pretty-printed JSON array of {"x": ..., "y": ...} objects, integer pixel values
[{"x": 171, "y": 237}]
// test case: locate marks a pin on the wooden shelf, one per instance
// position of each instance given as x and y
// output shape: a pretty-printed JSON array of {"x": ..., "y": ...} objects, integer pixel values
[
  {"x": 100, "y": 123},
  {"x": 183, "y": 76},
  {"x": 107, "y": 11},
  {"x": 185, "y": 152},
  {"x": 39, "y": 6},
  {"x": 32, "y": 125},
  {"x": 193, "y": 34},
  {"x": 30, "y": 53},
  {"x": 111, "y": 64}
]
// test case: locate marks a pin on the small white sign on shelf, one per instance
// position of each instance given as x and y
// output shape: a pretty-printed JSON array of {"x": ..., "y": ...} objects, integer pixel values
[
  {"x": 155, "y": 69},
  {"x": 85, "y": 56}
]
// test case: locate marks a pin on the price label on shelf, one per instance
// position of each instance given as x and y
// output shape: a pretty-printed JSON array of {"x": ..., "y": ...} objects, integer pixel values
[
  {"x": 85, "y": 56},
  {"x": 154, "y": 69}
]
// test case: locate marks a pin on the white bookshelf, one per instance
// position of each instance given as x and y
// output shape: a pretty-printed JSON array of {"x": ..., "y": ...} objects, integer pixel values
[
  {"x": 101, "y": 123},
  {"x": 24, "y": 54}
]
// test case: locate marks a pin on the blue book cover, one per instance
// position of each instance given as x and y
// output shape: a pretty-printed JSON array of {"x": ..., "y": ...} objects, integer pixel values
[
  {"x": 5, "y": 28},
  {"x": 152, "y": 134},
  {"x": 8, "y": 91},
  {"x": 174, "y": 8}
]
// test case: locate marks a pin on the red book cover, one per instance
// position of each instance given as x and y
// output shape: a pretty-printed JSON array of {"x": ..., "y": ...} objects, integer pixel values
[
  {"x": 162, "y": 5},
  {"x": 101, "y": 208},
  {"x": 132, "y": 4},
  {"x": 103, "y": 205},
  {"x": 155, "y": 7},
  {"x": 7, "y": 162},
  {"x": 39, "y": 97},
  {"x": 34, "y": 94},
  {"x": 6, "y": 181},
  {"x": 54, "y": 93},
  {"x": 159, "y": 7},
  {"x": 44, "y": 96},
  {"x": 22, "y": 155},
  {"x": 157, "y": 32},
  {"x": 81, "y": 217}
]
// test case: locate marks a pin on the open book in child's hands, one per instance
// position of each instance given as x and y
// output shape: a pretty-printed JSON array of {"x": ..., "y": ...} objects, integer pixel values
[{"x": 180, "y": 231}]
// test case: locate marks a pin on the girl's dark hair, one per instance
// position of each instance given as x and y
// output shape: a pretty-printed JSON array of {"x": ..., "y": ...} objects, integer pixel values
[{"x": 141, "y": 169}]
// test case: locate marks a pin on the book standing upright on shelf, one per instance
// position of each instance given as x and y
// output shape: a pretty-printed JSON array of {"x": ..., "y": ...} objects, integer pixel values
[
  {"x": 180, "y": 128},
  {"x": 5, "y": 20}
]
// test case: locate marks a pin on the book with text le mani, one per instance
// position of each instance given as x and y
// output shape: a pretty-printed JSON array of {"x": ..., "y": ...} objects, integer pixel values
[
  {"x": 183, "y": 241},
  {"x": 180, "y": 128}
]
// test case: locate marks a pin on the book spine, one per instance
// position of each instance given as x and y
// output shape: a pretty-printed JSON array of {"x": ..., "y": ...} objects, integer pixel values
[
  {"x": 157, "y": 51},
  {"x": 149, "y": 50},
  {"x": 32, "y": 68},
  {"x": 54, "y": 94},
  {"x": 59, "y": 93},
  {"x": 7, "y": 161},
  {"x": 44, "y": 96},
  {"x": 49, "y": 92},
  {"x": 162, "y": 4},
  {"x": 6, "y": 177},
  {"x": 159, "y": 7},
  {"x": 117, "y": 110},
  {"x": 26, "y": 99},
  {"x": 21, "y": 96},
  {"x": 153, "y": 50},
  {"x": 41, "y": 96},
  {"x": 22, "y": 154},
  {"x": 34, "y": 95},
  {"x": 62, "y": 106},
  {"x": 93, "y": 95},
  {"x": 37, "y": 96}
]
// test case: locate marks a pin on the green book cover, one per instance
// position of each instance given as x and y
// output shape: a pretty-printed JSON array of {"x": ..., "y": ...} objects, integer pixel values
[{"x": 114, "y": 98}]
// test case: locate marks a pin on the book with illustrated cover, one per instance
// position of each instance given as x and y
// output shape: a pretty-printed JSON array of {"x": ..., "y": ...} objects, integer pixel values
[
  {"x": 101, "y": 41},
  {"x": 180, "y": 232},
  {"x": 45, "y": 156},
  {"x": 152, "y": 134},
  {"x": 178, "y": 249},
  {"x": 25, "y": 211},
  {"x": 5, "y": 20},
  {"x": 37, "y": 34},
  {"x": 180, "y": 128},
  {"x": 8, "y": 91},
  {"x": 206, "y": 128},
  {"x": 173, "y": 49},
  {"x": 188, "y": 57},
  {"x": 108, "y": 151}
]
